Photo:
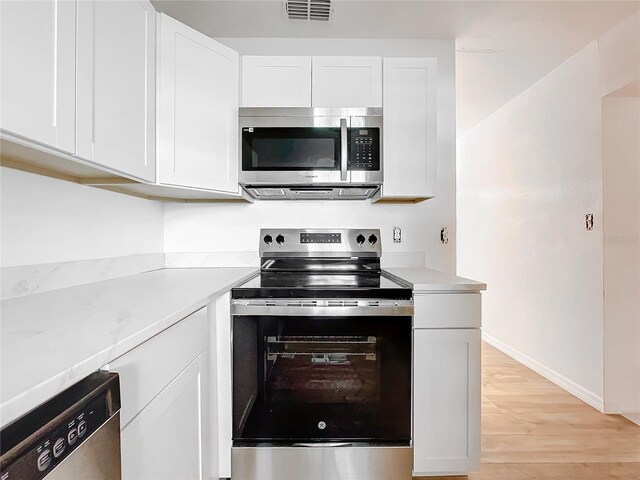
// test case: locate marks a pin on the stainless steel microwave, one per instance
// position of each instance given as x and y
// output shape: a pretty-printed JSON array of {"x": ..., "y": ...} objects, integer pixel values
[{"x": 310, "y": 153}]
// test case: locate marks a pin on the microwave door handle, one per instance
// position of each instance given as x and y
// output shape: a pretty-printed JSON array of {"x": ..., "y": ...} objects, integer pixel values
[{"x": 343, "y": 150}]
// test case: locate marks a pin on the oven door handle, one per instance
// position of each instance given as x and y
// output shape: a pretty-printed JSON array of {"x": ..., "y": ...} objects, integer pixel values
[
  {"x": 323, "y": 444},
  {"x": 245, "y": 308},
  {"x": 344, "y": 150}
]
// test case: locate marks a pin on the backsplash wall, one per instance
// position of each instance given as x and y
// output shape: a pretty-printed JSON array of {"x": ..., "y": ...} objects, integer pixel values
[
  {"x": 56, "y": 234},
  {"x": 45, "y": 220}
]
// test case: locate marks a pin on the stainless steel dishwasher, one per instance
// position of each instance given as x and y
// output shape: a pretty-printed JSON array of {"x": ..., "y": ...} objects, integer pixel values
[{"x": 75, "y": 435}]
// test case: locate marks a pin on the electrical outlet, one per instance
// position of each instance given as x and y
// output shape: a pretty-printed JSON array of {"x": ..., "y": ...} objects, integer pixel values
[
  {"x": 444, "y": 235},
  {"x": 588, "y": 221},
  {"x": 397, "y": 235}
]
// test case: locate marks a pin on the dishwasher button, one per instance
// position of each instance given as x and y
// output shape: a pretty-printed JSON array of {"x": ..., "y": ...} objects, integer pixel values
[
  {"x": 44, "y": 460},
  {"x": 82, "y": 428},
  {"x": 58, "y": 447},
  {"x": 72, "y": 436}
]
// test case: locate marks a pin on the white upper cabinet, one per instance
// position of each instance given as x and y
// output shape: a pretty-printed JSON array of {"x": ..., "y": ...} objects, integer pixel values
[
  {"x": 410, "y": 127},
  {"x": 270, "y": 81},
  {"x": 198, "y": 110},
  {"x": 116, "y": 85},
  {"x": 347, "y": 82},
  {"x": 38, "y": 71}
]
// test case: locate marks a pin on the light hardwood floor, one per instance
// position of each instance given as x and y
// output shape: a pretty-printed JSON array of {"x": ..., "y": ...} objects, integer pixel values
[{"x": 532, "y": 429}]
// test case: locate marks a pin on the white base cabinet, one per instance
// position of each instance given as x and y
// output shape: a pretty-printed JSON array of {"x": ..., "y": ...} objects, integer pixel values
[
  {"x": 165, "y": 440},
  {"x": 446, "y": 387},
  {"x": 221, "y": 361},
  {"x": 164, "y": 390}
]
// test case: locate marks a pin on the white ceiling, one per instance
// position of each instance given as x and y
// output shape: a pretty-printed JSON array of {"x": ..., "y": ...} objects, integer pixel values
[{"x": 503, "y": 47}]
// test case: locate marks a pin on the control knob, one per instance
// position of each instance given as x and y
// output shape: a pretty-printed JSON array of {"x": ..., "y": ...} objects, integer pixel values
[
  {"x": 279, "y": 239},
  {"x": 268, "y": 239},
  {"x": 373, "y": 239},
  {"x": 360, "y": 239}
]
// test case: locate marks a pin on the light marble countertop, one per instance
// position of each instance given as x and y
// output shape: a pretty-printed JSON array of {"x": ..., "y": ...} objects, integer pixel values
[
  {"x": 51, "y": 340},
  {"x": 428, "y": 280}
]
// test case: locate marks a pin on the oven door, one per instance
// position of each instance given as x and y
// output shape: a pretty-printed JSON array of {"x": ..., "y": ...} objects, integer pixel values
[
  {"x": 294, "y": 150},
  {"x": 302, "y": 379}
]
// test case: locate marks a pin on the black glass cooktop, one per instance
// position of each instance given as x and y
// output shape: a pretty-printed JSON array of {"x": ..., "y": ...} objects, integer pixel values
[{"x": 322, "y": 285}]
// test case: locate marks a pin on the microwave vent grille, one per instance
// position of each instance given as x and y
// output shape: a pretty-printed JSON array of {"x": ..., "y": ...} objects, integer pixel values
[
  {"x": 269, "y": 192},
  {"x": 318, "y": 10},
  {"x": 354, "y": 192}
]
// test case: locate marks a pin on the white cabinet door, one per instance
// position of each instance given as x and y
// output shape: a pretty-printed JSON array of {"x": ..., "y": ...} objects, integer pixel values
[
  {"x": 38, "y": 80},
  {"x": 446, "y": 401},
  {"x": 116, "y": 85},
  {"x": 165, "y": 440},
  {"x": 347, "y": 82},
  {"x": 198, "y": 110},
  {"x": 270, "y": 81},
  {"x": 410, "y": 127},
  {"x": 220, "y": 354}
]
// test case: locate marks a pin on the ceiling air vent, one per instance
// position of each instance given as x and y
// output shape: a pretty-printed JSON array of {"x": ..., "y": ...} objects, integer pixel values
[{"x": 308, "y": 9}]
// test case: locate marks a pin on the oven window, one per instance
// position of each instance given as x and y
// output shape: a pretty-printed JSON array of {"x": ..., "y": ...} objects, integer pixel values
[
  {"x": 321, "y": 369},
  {"x": 291, "y": 148},
  {"x": 321, "y": 379}
]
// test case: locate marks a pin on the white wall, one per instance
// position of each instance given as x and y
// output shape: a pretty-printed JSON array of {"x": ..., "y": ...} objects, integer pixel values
[
  {"x": 621, "y": 156},
  {"x": 619, "y": 53},
  {"x": 527, "y": 175},
  {"x": 45, "y": 220},
  {"x": 234, "y": 228}
]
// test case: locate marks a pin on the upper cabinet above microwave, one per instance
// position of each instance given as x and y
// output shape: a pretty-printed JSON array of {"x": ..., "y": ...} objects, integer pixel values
[
  {"x": 270, "y": 81},
  {"x": 346, "y": 82},
  {"x": 335, "y": 81}
]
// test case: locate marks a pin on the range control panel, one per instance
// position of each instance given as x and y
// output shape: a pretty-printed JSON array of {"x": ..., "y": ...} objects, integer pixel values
[
  {"x": 54, "y": 446},
  {"x": 306, "y": 237},
  {"x": 340, "y": 242},
  {"x": 365, "y": 148}
]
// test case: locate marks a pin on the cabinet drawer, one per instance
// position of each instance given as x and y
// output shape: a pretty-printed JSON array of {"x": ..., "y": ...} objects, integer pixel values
[
  {"x": 447, "y": 310},
  {"x": 147, "y": 369}
]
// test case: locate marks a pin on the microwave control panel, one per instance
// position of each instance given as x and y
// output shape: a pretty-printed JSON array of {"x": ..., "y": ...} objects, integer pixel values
[{"x": 365, "y": 149}]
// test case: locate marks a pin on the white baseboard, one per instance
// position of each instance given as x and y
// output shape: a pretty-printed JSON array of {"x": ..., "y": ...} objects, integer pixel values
[
  {"x": 563, "y": 382},
  {"x": 634, "y": 417}
]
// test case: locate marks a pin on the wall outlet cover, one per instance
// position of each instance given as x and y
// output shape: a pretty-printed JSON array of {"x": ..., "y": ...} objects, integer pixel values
[
  {"x": 397, "y": 235},
  {"x": 444, "y": 235},
  {"x": 588, "y": 221}
]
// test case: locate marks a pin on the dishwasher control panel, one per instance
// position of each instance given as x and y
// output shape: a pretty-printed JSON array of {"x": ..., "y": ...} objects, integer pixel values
[
  {"x": 37, "y": 444},
  {"x": 54, "y": 446}
]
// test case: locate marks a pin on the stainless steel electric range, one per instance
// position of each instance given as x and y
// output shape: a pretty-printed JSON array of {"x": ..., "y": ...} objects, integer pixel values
[{"x": 321, "y": 361}]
